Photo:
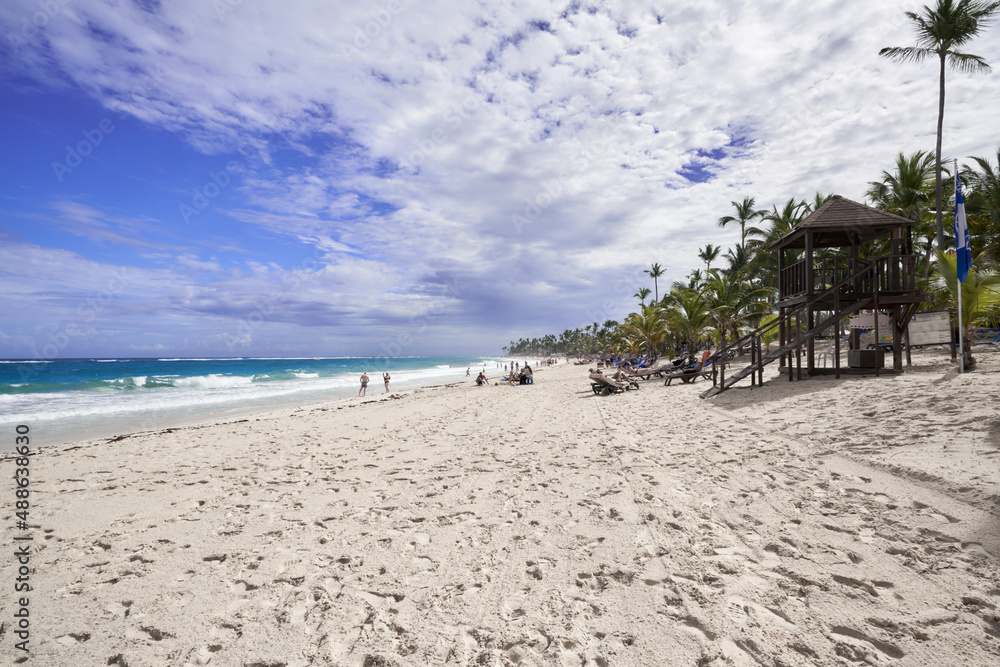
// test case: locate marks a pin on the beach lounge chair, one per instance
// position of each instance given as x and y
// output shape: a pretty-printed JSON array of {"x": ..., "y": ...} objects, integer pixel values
[
  {"x": 692, "y": 372},
  {"x": 646, "y": 373},
  {"x": 604, "y": 385}
]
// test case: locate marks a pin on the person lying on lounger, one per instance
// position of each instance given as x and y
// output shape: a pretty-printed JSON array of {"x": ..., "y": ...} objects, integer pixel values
[{"x": 598, "y": 376}]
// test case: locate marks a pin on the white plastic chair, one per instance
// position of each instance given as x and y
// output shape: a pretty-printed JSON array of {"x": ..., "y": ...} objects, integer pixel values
[{"x": 826, "y": 354}]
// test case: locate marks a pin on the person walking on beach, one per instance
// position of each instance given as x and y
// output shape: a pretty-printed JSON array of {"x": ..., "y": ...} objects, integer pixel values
[
  {"x": 364, "y": 384},
  {"x": 467, "y": 371},
  {"x": 385, "y": 376}
]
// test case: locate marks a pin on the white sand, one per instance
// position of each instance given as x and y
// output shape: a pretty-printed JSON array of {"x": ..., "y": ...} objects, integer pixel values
[{"x": 815, "y": 523}]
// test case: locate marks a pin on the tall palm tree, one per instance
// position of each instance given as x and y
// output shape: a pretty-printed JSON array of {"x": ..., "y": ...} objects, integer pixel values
[
  {"x": 655, "y": 272},
  {"x": 745, "y": 212},
  {"x": 907, "y": 192},
  {"x": 641, "y": 295},
  {"x": 709, "y": 254},
  {"x": 940, "y": 30}
]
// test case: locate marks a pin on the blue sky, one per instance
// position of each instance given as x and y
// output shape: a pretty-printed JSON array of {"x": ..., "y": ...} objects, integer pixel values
[{"x": 256, "y": 178}]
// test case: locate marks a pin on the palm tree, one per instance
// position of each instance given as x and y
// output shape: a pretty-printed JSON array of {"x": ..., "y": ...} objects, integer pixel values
[
  {"x": 736, "y": 258},
  {"x": 940, "y": 30},
  {"x": 734, "y": 302},
  {"x": 641, "y": 295},
  {"x": 764, "y": 262},
  {"x": 818, "y": 200},
  {"x": 980, "y": 295},
  {"x": 646, "y": 325},
  {"x": 983, "y": 204},
  {"x": 907, "y": 192},
  {"x": 694, "y": 282},
  {"x": 655, "y": 272},
  {"x": 745, "y": 212},
  {"x": 709, "y": 254},
  {"x": 688, "y": 315}
]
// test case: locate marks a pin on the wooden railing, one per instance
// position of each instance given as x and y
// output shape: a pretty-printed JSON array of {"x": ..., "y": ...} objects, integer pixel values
[{"x": 896, "y": 273}]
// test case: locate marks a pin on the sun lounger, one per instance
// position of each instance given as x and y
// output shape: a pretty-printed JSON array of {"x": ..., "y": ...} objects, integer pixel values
[
  {"x": 691, "y": 373},
  {"x": 646, "y": 373},
  {"x": 604, "y": 385}
]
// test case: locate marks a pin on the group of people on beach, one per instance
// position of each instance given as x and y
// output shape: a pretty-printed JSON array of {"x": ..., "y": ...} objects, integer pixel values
[
  {"x": 518, "y": 374},
  {"x": 364, "y": 383}
]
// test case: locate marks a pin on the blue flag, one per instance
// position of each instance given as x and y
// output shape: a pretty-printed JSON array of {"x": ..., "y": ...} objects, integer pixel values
[{"x": 963, "y": 251}]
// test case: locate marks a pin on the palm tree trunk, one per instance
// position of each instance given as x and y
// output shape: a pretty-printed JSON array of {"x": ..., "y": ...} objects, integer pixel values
[
  {"x": 940, "y": 129},
  {"x": 927, "y": 260}
]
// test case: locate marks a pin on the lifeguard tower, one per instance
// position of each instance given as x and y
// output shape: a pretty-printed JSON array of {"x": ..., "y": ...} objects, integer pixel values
[{"x": 817, "y": 292}]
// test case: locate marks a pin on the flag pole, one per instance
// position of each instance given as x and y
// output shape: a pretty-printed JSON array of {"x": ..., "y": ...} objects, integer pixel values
[
  {"x": 958, "y": 285},
  {"x": 961, "y": 332}
]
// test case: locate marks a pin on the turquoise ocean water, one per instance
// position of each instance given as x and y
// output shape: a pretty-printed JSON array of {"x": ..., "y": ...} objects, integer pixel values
[{"x": 65, "y": 400}]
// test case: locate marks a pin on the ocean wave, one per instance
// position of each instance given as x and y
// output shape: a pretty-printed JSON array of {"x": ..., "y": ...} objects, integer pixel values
[
  {"x": 24, "y": 361},
  {"x": 306, "y": 375},
  {"x": 213, "y": 381},
  {"x": 206, "y": 359},
  {"x": 126, "y": 383}
]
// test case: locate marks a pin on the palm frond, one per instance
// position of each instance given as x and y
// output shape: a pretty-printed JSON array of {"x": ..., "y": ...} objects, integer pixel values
[{"x": 906, "y": 54}]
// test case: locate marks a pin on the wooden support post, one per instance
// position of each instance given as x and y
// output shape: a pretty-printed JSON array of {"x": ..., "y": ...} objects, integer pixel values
[
  {"x": 836, "y": 335},
  {"x": 878, "y": 350},
  {"x": 760, "y": 355},
  {"x": 810, "y": 344},
  {"x": 897, "y": 341},
  {"x": 753, "y": 360},
  {"x": 798, "y": 345}
]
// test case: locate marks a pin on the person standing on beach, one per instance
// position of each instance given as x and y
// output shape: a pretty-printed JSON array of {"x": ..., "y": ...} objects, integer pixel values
[
  {"x": 364, "y": 384},
  {"x": 385, "y": 376}
]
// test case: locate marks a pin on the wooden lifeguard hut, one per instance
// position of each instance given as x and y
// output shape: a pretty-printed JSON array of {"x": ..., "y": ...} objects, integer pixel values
[{"x": 817, "y": 291}]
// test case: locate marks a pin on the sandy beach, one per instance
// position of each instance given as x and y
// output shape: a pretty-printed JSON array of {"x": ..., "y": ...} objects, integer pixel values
[{"x": 823, "y": 522}]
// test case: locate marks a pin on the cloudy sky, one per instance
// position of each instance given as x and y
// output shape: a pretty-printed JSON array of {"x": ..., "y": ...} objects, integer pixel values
[{"x": 259, "y": 177}]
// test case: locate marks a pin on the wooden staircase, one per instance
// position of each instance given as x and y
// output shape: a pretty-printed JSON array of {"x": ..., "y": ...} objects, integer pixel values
[
  {"x": 761, "y": 360},
  {"x": 829, "y": 300}
]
